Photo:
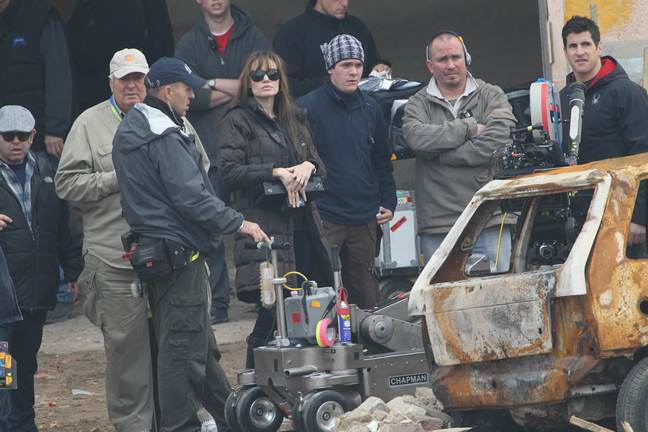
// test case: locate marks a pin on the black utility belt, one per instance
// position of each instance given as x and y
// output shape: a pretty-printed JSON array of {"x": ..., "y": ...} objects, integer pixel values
[{"x": 153, "y": 259}]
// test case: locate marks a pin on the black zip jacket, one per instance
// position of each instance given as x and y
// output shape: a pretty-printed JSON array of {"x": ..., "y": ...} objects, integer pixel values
[
  {"x": 198, "y": 50},
  {"x": 615, "y": 120},
  {"x": 351, "y": 138},
  {"x": 35, "y": 67},
  {"x": 9, "y": 309},
  {"x": 34, "y": 254},
  {"x": 298, "y": 42},
  {"x": 165, "y": 192}
]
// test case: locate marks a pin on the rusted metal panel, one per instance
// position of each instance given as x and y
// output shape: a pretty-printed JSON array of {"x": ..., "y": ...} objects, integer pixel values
[
  {"x": 607, "y": 321},
  {"x": 555, "y": 181},
  {"x": 618, "y": 285},
  {"x": 491, "y": 318},
  {"x": 528, "y": 380}
]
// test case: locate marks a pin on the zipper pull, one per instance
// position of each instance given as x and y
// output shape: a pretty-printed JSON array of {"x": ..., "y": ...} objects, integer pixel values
[{"x": 222, "y": 61}]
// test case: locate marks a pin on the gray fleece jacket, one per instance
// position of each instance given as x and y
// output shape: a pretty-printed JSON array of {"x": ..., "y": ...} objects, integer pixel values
[{"x": 452, "y": 160}]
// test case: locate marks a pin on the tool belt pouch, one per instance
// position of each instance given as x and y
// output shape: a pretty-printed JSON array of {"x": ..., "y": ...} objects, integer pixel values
[{"x": 154, "y": 259}]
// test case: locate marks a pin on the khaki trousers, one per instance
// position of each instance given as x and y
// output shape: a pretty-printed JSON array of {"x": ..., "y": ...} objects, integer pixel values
[{"x": 123, "y": 321}]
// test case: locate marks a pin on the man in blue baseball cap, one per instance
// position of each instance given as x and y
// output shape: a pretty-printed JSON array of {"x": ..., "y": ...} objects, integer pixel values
[{"x": 175, "y": 218}]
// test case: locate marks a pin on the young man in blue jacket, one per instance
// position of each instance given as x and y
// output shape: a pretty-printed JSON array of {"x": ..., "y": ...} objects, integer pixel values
[{"x": 351, "y": 137}]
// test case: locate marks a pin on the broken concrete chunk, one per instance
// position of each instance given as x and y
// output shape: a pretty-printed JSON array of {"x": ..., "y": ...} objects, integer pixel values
[
  {"x": 372, "y": 404},
  {"x": 400, "y": 405}
]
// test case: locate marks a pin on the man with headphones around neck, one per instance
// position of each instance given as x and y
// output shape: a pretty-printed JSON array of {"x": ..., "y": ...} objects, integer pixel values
[{"x": 453, "y": 126}]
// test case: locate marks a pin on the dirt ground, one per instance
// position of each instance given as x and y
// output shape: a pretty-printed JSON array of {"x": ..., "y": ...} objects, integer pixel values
[{"x": 70, "y": 395}]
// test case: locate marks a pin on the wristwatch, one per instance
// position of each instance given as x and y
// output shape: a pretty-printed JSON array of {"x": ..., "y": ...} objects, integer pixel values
[{"x": 211, "y": 84}]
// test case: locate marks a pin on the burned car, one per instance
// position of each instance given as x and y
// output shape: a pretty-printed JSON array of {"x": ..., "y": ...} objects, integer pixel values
[{"x": 565, "y": 330}]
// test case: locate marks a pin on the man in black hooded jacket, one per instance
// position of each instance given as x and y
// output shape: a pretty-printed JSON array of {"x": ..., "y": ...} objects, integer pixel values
[
  {"x": 217, "y": 48},
  {"x": 299, "y": 42},
  {"x": 615, "y": 110}
]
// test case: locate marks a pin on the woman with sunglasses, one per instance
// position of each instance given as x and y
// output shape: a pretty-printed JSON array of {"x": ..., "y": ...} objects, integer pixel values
[{"x": 266, "y": 139}]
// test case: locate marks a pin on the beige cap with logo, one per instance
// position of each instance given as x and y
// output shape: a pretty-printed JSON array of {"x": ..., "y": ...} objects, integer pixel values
[{"x": 127, "y": 61}]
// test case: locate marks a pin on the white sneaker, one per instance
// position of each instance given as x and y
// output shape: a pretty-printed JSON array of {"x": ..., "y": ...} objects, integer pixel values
[{"x": 208, "y": 426}]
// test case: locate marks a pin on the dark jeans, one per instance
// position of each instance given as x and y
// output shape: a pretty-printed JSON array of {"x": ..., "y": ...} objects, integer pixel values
[
  {"x": 357, "y": 246},
  {"x": 188, "y": 372},
  {"x": 219, "y": 280},
  {"x": 24, "y": 337}
]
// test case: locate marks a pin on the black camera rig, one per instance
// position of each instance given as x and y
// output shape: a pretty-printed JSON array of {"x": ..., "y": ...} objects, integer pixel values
[
  {"x": 526, "y": 155},
  {"x": 536, "y": 146}
]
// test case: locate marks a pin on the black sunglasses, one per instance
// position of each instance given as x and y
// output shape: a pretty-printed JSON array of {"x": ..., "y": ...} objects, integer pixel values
[
  {"x": 259, "y": 74},
  {"x": 9, "y": 136}
]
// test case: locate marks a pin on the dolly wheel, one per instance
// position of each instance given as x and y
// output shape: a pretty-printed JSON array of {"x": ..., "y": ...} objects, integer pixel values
[
  {"x": 633, "y": 397},
  {"x": 256, "y": 412},
  {"x": 322, "y": 411},
  {"x": 395, "y": 288},
  {"x": 230, "y": 412}
]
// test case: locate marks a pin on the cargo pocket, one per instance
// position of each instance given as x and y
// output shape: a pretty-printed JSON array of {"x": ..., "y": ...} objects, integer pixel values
[
  {"x": 186, "y": 325},
  {"x": 87, "y": 284}
]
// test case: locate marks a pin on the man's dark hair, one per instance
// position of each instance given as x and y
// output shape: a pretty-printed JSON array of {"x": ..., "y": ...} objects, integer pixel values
[{"x": 579, "y": 24}]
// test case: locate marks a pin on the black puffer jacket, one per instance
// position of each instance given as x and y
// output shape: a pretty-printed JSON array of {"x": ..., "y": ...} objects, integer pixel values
[
  {"x": 33, "y": 255},
  {"x": 254, "y": 144}
]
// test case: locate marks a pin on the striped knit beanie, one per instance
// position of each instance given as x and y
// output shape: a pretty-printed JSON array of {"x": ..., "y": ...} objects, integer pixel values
[{"x": 342, "y": 47}]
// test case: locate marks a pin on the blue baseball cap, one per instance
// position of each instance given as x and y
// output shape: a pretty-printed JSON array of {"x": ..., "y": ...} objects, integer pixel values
[{"x": 170, "y": 70}]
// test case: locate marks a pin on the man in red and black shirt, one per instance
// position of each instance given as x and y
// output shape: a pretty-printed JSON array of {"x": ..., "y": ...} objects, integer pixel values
[
  {"x": 216, "y": 49},
  {"x": 615, "y": 110}
]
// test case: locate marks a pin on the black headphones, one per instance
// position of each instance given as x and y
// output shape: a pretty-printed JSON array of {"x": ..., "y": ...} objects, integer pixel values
[{"x": 467, "y": 55}]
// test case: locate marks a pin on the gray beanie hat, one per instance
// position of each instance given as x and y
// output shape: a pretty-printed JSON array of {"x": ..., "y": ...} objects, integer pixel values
[{"x": 342, "y": 47}]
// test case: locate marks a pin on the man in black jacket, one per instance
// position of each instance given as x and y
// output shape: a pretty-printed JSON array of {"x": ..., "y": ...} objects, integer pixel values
[
  {"x": 36, "y": 238},
  {"x": 299, "y": 42},
  {"x": 98, "y": 28},
  {"x": 217, "y": 48},
  {"x": 35, "y": 69},
  {"x": 351, "y": 137},
  {"x": 615, "y": 111},
  {"x": 171, "y": 207}
]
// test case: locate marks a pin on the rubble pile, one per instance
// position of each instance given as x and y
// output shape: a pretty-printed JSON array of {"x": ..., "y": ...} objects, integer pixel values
[{"x": 419, "y": 413}]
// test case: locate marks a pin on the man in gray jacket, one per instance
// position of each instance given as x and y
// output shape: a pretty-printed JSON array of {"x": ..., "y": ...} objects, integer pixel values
[
  {"x": 454, "y": 126},
  {"x": 217, "y": 48},
  {"x": 171, "y": 207}
]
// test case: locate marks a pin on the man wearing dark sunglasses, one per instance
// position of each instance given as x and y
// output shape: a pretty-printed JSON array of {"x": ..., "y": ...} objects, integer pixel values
[{"x": 35, "y": 237}]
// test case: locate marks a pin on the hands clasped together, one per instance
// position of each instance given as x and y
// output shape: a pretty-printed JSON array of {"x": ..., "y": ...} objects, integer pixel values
[{"x": 295, "y": 180}]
